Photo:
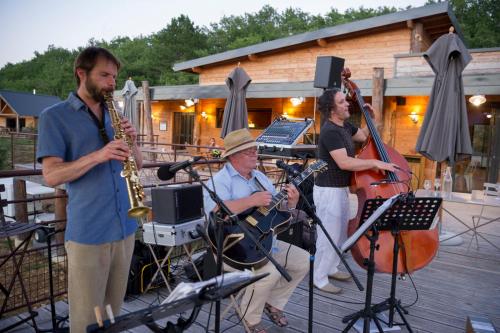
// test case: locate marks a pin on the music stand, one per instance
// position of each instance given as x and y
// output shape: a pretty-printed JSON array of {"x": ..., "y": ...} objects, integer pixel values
[
  {"x": 214, "y": 291},
  {"x": 400, "y": 212}
]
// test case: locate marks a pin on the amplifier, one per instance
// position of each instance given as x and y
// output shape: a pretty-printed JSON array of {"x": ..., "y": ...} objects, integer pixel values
[
  {"x": 171, "y": 235},
  {"x": 175, "y": 204}
]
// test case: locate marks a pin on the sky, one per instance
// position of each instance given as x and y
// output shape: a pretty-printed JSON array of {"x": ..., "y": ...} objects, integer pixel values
[{"x": 33, "y": 25}]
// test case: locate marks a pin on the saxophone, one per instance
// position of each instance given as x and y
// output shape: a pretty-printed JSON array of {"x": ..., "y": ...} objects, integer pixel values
[{"x": 129, "y": 172}]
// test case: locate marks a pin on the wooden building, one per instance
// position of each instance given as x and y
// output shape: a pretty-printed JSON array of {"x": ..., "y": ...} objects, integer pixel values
[
  {"x": 384, "y": 54},
  {"x": 19, "y": 111}
]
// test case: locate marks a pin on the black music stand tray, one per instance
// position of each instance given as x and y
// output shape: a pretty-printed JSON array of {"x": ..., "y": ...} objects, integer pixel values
[
  {"x": 406, "y": 212},
  {"x": 212, "y": 292}
]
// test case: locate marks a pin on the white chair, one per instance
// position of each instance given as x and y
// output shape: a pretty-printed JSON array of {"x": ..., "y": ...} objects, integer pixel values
[{"x": 491, "y": 192}]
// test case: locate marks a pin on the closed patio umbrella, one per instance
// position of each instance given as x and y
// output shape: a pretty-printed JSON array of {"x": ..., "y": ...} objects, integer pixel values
[
  {"x": 444, "y": 135},
  {"x": 129, "y": 93},
  {"x": 235, "y": 110}
]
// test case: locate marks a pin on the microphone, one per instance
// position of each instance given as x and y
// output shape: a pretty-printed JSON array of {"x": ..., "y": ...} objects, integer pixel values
[
  {"x": 288, "y": 168},
  {"x": 167, "y": 171}
]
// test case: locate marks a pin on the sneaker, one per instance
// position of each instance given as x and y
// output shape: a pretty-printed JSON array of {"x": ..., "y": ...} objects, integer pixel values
[
  {"x": 341, "y": 276},
  {"x": 330, "y": 288}
]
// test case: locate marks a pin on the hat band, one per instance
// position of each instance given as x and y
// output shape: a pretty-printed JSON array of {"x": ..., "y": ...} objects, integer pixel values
[{"x": 241, "y": 144}]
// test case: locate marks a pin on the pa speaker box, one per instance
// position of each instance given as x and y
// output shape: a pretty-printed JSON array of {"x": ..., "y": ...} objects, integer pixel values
[
  {"x": 328, "y": 72},
  {"x": 177, "y": 204}
]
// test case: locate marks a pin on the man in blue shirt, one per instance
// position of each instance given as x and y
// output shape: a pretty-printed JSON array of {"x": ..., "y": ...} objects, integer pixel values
[
  {"x": 241, "y": 187},
  {"x": 76, "y": 148}
]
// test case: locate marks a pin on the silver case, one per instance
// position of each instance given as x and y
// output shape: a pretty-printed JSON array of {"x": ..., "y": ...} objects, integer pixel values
[{"x": 170, "y": 234}]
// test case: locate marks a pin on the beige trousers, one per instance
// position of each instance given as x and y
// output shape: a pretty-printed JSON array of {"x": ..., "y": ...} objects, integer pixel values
[
  {"x": 274, "y": 289},
  {"x": 97, "y": 276}
]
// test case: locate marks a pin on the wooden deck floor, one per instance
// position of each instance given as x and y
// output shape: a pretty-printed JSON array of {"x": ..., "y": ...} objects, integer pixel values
[{"x": 461, "y": 281}]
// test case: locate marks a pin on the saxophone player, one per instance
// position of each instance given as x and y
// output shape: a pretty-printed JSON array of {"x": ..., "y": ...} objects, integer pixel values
[{"x": 76, "y": 148}]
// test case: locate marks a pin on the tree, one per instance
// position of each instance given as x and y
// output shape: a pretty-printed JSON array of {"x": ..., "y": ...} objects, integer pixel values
[
  {"x": 49, "y": 73},
  {"x": 479, "y": 20},
  {"x": 180, "y": 40},
  {"x": 152, "y": 57}
]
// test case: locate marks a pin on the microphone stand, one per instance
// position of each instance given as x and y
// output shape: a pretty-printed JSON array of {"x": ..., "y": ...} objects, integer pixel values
[
  {"x": 311, "y": 212},
  {"x": 233, "y": 218}
]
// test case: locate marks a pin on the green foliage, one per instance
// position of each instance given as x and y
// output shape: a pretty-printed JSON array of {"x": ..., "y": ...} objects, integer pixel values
[
  {"x": 479, "y": 21},
  {"x": 49, "y": 73},
  {"x": 152, "y": 57},
  {"x": 181, "y": 40}
]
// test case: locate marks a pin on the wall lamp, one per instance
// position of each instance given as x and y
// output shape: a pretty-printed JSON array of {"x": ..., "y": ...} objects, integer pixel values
[
  {"x": 190, "y": 102},
  {"x": 477, "y": 99},
  {"x": 204, "y": 115},
  {"x": 414, "y": 117},
  {"x": 296, "y": 101}
]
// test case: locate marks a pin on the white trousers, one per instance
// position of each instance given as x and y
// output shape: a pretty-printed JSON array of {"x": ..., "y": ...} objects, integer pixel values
[{"x": 332, "y": 207}]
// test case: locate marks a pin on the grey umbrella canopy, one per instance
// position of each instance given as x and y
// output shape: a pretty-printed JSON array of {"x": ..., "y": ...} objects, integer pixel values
[
  {"x": 444, "y": 135},
  {"x": 129, "y": 93},
  {"x": 235, "y": 110}
]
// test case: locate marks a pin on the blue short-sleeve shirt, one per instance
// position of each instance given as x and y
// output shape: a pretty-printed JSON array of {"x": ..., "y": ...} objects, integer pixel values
[
  {"x": 230, "y": 185},
  {"x": 97, "y": 201}
]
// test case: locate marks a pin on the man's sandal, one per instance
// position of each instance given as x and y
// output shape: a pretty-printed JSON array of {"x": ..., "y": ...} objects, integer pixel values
[
  {"x": 275, "y": 315},
  {"x": 257, "y": 328}
]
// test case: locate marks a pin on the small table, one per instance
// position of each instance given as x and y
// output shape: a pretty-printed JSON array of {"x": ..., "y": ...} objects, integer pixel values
[{"x": 466, "y": 198}]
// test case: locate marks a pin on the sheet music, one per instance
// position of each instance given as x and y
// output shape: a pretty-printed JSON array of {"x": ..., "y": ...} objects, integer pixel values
[{"x": 367, "y": 224}]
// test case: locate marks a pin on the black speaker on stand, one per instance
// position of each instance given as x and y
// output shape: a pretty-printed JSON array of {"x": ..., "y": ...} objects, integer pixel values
[{"x": 328, "y": 72}]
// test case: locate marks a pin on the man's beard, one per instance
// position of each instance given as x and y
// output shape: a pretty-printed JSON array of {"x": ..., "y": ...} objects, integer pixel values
[{"x": 96, "y": 93}]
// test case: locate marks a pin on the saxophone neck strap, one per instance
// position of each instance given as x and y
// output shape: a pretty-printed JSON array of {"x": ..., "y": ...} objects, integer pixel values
[{"x": 98, "y": 123}]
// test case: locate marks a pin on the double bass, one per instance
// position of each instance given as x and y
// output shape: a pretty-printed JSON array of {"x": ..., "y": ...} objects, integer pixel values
[{"x": 418, "y": 247}]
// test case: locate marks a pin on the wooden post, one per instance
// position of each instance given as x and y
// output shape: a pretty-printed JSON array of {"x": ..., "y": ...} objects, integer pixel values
[
  {"x": 147, "y": 110},
  {"x": 417, "y": 32},
  {"x": 60, "y": 214},
  {"x": 21, "y": 208},
  {"x": 378, "y": 95},
  {"x": 197, "y": 127}
]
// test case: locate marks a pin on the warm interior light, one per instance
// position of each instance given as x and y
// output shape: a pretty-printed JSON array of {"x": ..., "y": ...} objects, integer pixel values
[
  {"x": 204, "y": 115},
  {"x": 189, "y": 102},
  {"x": 182, "y": 107},
  {"x": 488, "y": 115},
  {"x": 296, "y": 100},
  {"x": 477, "y": 99},
  {"x": 251, "y": 125},
  {"x": 414, "y": 117}
]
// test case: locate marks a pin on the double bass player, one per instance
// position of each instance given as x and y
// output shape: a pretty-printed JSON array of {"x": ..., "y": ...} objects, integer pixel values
[{"x": 331, "y": 188}]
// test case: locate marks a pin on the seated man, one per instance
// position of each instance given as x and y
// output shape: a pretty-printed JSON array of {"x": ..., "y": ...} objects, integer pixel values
[{"x": 238, "y": 184}]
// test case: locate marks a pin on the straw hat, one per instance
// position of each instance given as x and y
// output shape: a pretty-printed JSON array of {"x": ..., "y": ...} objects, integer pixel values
[{"x": 237, "y": 141}]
